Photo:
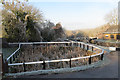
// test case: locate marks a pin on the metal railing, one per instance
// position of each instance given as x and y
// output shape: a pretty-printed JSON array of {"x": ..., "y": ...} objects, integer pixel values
[{"x": 79, "y": 44}]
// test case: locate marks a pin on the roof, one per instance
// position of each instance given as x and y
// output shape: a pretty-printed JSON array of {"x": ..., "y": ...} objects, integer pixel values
[
  {"x": 111, "y": 32},
  {"x": 113, "y": 29}
]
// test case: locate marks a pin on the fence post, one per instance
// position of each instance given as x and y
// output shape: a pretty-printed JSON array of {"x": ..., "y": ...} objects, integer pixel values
[
  {"x": 72, "y": 44},
  {"x": 70, "y": 63},
  {"x": 10, "y": 60},
  {"x": 19, "y": 51},
  {"x": 24, "y": 67},
  {"x": 1, "y": 65},
  {"x": 78, "y": 44},
  {"x": 5, "y": 66},
  {"x": 102, "y": 56},
  {"x": 14, "y": 57},
  {"x": 92, "y": 48},
  {"x": 83, "y": 46},
  {"x": 44, "y": 65},
  {"x": 87, "y": 47},
  {"x": 33, "y": 49},
  {"x": 90, "y": 60},
  {"x": 68, "y": 44}
]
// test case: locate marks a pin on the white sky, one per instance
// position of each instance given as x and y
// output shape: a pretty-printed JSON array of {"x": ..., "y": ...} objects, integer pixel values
[
  {"x": 75, "y": 14},
  {"x": 73, "y": 0}
]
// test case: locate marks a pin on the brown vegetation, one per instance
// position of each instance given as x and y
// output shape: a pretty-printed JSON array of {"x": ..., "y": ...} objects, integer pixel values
[{"x": 52, "y": 52}]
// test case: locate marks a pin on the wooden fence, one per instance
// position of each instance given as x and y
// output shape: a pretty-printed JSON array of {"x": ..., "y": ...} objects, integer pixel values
[{"x": 9, "y": 61}]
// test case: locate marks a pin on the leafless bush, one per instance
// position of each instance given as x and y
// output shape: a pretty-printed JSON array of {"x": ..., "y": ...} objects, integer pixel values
[{"x": 32, "y": 53}]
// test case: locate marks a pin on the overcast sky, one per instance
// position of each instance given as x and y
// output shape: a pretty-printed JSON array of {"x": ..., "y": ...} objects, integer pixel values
[{"x": 75, "y": 14}]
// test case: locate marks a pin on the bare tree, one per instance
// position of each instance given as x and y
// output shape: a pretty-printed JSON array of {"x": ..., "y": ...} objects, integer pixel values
[
  {"x": 112, "y": 17},
  {"x": 119, "y": 13}
]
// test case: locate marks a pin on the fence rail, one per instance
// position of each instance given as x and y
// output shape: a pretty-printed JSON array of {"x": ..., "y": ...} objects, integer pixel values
[
  {"x": 79, "y": 44},
  {"x": 14, "y": 52}
]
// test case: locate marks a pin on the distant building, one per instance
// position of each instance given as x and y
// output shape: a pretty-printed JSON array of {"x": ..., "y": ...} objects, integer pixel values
[{"x": 112, "y": 33}]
